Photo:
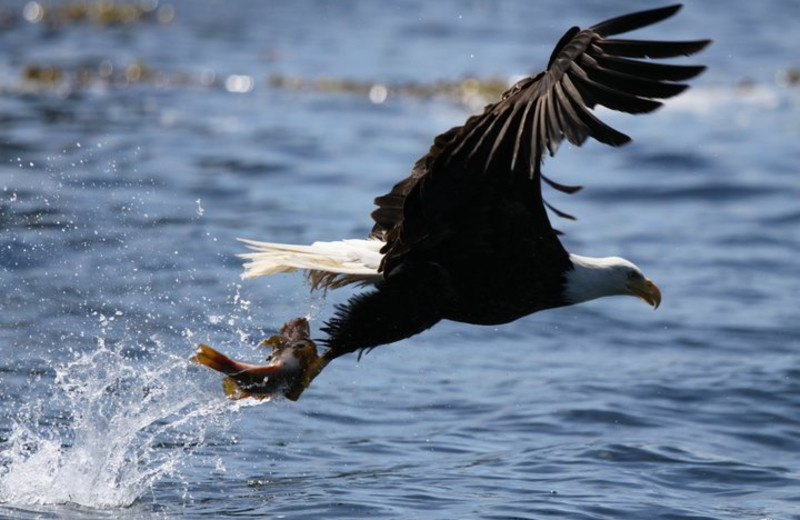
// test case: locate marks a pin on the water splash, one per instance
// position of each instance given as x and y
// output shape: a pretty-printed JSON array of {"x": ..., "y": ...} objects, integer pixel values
[{"x": 115, "y": 423}]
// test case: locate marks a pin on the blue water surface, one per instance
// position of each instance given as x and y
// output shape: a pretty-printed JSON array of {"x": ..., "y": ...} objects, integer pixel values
[{"x": 122, "y": 195}]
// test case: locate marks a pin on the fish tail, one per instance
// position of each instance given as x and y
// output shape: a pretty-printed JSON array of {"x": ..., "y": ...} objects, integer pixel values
[{"x": 209, "y": 357}]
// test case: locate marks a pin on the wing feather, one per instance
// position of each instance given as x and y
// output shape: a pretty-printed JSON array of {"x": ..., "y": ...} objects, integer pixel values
[
  {"x": 571, "y": 125},
  {"x": 631, "y": 22},
  {"x": 629, "y": 83},
  {"x": 520, "y": 131},
  {"x": 608, "y": 96},
  {"x": 647, "y": 69},
  {"x": 489, "y": 160},
  {"x": 650, "y": 49}
]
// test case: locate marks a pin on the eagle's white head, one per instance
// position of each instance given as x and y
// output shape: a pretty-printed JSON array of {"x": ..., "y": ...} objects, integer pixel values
[{"x": 592, "y": 278}]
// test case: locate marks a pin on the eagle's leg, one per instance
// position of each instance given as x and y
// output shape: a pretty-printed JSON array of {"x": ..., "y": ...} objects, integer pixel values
[{"x": 409, "y": 301}]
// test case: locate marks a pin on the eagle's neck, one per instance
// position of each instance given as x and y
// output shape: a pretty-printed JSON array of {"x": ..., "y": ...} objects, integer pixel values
[{"x": 592, "y": 278}]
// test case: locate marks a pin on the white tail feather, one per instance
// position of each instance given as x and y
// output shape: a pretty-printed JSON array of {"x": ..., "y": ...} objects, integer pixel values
[{"x": 328, "y": 264}]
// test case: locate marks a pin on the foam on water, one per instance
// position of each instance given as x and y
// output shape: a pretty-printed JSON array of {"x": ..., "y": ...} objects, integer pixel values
[{"x": 128, "y": 423}]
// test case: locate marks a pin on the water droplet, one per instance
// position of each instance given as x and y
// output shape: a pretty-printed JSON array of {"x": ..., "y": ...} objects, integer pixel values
[
  {"x": 378, "y": 93},
  {"x": 33, "y": 12},
  {"x": 239, "y": 83}
]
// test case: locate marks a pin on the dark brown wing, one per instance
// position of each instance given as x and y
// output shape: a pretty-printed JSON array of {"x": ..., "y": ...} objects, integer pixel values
[{"x": 497, "y": 155}]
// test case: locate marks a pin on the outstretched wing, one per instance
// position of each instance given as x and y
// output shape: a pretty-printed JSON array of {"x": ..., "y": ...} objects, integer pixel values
[{"x": 497, "y": 154}]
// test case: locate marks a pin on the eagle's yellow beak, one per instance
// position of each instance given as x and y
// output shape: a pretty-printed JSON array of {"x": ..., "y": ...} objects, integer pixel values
[{"x": 646, "y": 290}]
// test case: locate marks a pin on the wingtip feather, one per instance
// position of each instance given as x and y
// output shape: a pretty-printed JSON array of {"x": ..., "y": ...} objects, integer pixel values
[{"x": 633, "y": 21}]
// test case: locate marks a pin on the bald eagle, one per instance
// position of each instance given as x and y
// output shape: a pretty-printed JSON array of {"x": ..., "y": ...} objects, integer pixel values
[{"x": 466, "y": 236}]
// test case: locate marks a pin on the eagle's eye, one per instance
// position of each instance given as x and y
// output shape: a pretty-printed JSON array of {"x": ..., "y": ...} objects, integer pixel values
[{"x": 634, "y": 276}]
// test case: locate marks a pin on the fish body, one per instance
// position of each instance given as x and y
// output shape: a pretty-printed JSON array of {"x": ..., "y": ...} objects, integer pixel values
[{"x": 292, "y": 364}]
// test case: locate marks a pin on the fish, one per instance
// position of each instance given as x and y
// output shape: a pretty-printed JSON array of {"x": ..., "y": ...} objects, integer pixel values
[{"x": 291, "y": 366}]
